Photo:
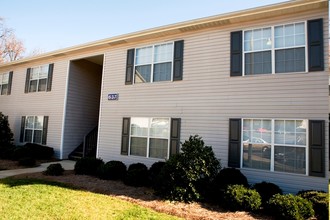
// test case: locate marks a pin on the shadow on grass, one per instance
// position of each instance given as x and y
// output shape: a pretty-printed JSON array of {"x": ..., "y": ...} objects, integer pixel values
[{"x": 27, "y": 181}]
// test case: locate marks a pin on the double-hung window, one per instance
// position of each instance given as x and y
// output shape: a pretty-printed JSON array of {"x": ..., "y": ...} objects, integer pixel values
[
  {"x": 34, "y": 129},
  {"x": 275, "y": 145},
  {"x": 5, "y": 83},
  {"x": 39, "y": 79},
  {"x": 282, "y": 48},
  {"x": 154, "y": 63},
  {"x": 276, "y": 49},
  {"x": 149, "y": 137}
]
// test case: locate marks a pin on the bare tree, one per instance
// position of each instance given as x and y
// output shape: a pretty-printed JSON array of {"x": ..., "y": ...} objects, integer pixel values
[{"x": 11, "y": 48}]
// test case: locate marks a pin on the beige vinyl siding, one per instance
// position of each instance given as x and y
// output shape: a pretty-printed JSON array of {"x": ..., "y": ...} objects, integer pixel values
[
  {"x": 50, "y": 104},
  {"x": 82, "y": 106},
  {"x": 207, "y": 96}
]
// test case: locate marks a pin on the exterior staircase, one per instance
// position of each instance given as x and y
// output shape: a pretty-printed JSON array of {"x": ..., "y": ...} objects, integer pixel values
[{"x": 87, "y": 148}]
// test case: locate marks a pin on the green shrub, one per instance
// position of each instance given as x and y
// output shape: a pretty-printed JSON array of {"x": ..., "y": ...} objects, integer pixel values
[
  {"x": 27, "y": 162},
  {"x": 238, "y": 197},
  {"x": 6, "y": 135},
  {"x": 112, "y": 170},
  {"x": 290, "y": 207},
  {"x": 267, "y": 190},
  {"x": 55, "y": 169},
  {"x": 35, "y": 151},
  {"x": 137, "y": 175},
  {"x": 186, "y": 176},
  {"x": 87, "y": 166},
  {"x": 155, "y": 170},
  {"x": 320, "y": 201},
  {"x": 230, "y": 176}
]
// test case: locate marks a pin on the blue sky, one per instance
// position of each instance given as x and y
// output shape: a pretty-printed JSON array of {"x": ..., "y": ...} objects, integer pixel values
[{"x": 52, "y": 25}]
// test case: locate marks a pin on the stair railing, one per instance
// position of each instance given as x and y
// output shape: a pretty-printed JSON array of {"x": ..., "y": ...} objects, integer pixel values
[{"x": 90, "y": 143}]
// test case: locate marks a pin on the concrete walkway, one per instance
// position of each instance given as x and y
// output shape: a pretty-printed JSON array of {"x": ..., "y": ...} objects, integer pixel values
[{"x": 66, "y": 164}]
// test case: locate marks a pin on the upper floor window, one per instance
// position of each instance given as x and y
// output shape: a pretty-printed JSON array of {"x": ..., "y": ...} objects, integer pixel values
[
  {"x": 275, "y": 49},
  {"x": 5, "y": 83},
  {"x": 160, "y": 62},
  {"x": 39, "y": 79},
  {"x": 153, "y": 63},
  {"x": 285, "y": 48}
]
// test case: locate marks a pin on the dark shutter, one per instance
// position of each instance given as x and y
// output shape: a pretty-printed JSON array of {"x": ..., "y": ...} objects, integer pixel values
[
  {"x": 234, "y": 151},
  {"x": 125, "y": 136},
  {"x": 129, "y": 67},
  {"x": 236, "y": 53},
  {"x": 10, "y": 82},
  {"x": 175, "y": 136},
  {"x": 44, "y": 130},
  {"x": 178, "y": 60},
  {"x": 27, "y": 80},
  {"x": 317, "y": 148},
  {"x": 21, "y": 137},
  {"x": 50, "y": 77},
  {"x": 315, "y": 45}
]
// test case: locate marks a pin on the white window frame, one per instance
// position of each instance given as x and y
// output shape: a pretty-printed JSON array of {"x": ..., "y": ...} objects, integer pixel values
[
  {"x": 273, "y": 49},
  {"x": 39, "y": 78},
  {"x": 148, "y": 137},
  {"x": 272, "y": 144},
  {"x": 2, "y": 76},
  {"x": 34, "y": 128},
  {"x": 152, "y": 63}
]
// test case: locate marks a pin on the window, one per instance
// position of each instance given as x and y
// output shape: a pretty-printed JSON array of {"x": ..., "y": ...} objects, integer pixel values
[
  {"x": 277, "y": 49},
  {"x": 39, "y": 79},
  {"x": 5, "y": 83},
  {"x": 161, "y": 62},
  {"x": 153, "y": 63},
  {"x": 149, "y": 137},
  {"x": 275, "y": 145},
  {"x": 34, "y": 129}
]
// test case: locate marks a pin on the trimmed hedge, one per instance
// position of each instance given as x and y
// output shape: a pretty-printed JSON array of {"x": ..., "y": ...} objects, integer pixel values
[
  {"x": 112, "y": 170},
  {"x": 27, "y": 162},
  {"x": 238, "y": 197},
  {"x": 320, "y": 201},
  {"x": 88, "y": 166},
  {"x": 154, "y": 171},
  {"x": 267, "y": 190},
  {"x": 290, "y": 207},
  {"x": 35, "y": 151},
  {"x": 55, "y": 169},
  {"x": 137, "y": 175}
]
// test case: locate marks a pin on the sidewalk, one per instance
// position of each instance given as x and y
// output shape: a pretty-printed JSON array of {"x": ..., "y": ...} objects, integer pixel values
[{"x": 66, "y": 164}]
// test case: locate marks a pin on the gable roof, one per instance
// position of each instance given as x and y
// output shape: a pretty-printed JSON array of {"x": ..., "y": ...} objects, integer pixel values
[{"x": 263, "y": 12}]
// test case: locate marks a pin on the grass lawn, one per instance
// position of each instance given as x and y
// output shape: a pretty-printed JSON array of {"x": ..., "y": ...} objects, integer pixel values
[{"x": 38, "y": 199}]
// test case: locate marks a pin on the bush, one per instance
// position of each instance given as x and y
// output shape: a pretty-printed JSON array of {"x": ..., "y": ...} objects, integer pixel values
[
  {"x": 185, "y": 176},
  {"x": 6, "y": 135},
  {"x": 154, "y": 171},
  {"x": 238, "y": 197},
  {"x": 137, "y": 175},
  {"x": 35, "y": 151},
  {"x": 27, "y": 162},
  {"x": 230, "y": 176},
  {"x": 55, "y": 169},
  {"x": 290, "y": 207},
  {"x": 88, "y": 166},
  {"x": 112, "y": 170},
  {"x": 267, "y": 190},
  {"x": 320, "y": 201}
]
